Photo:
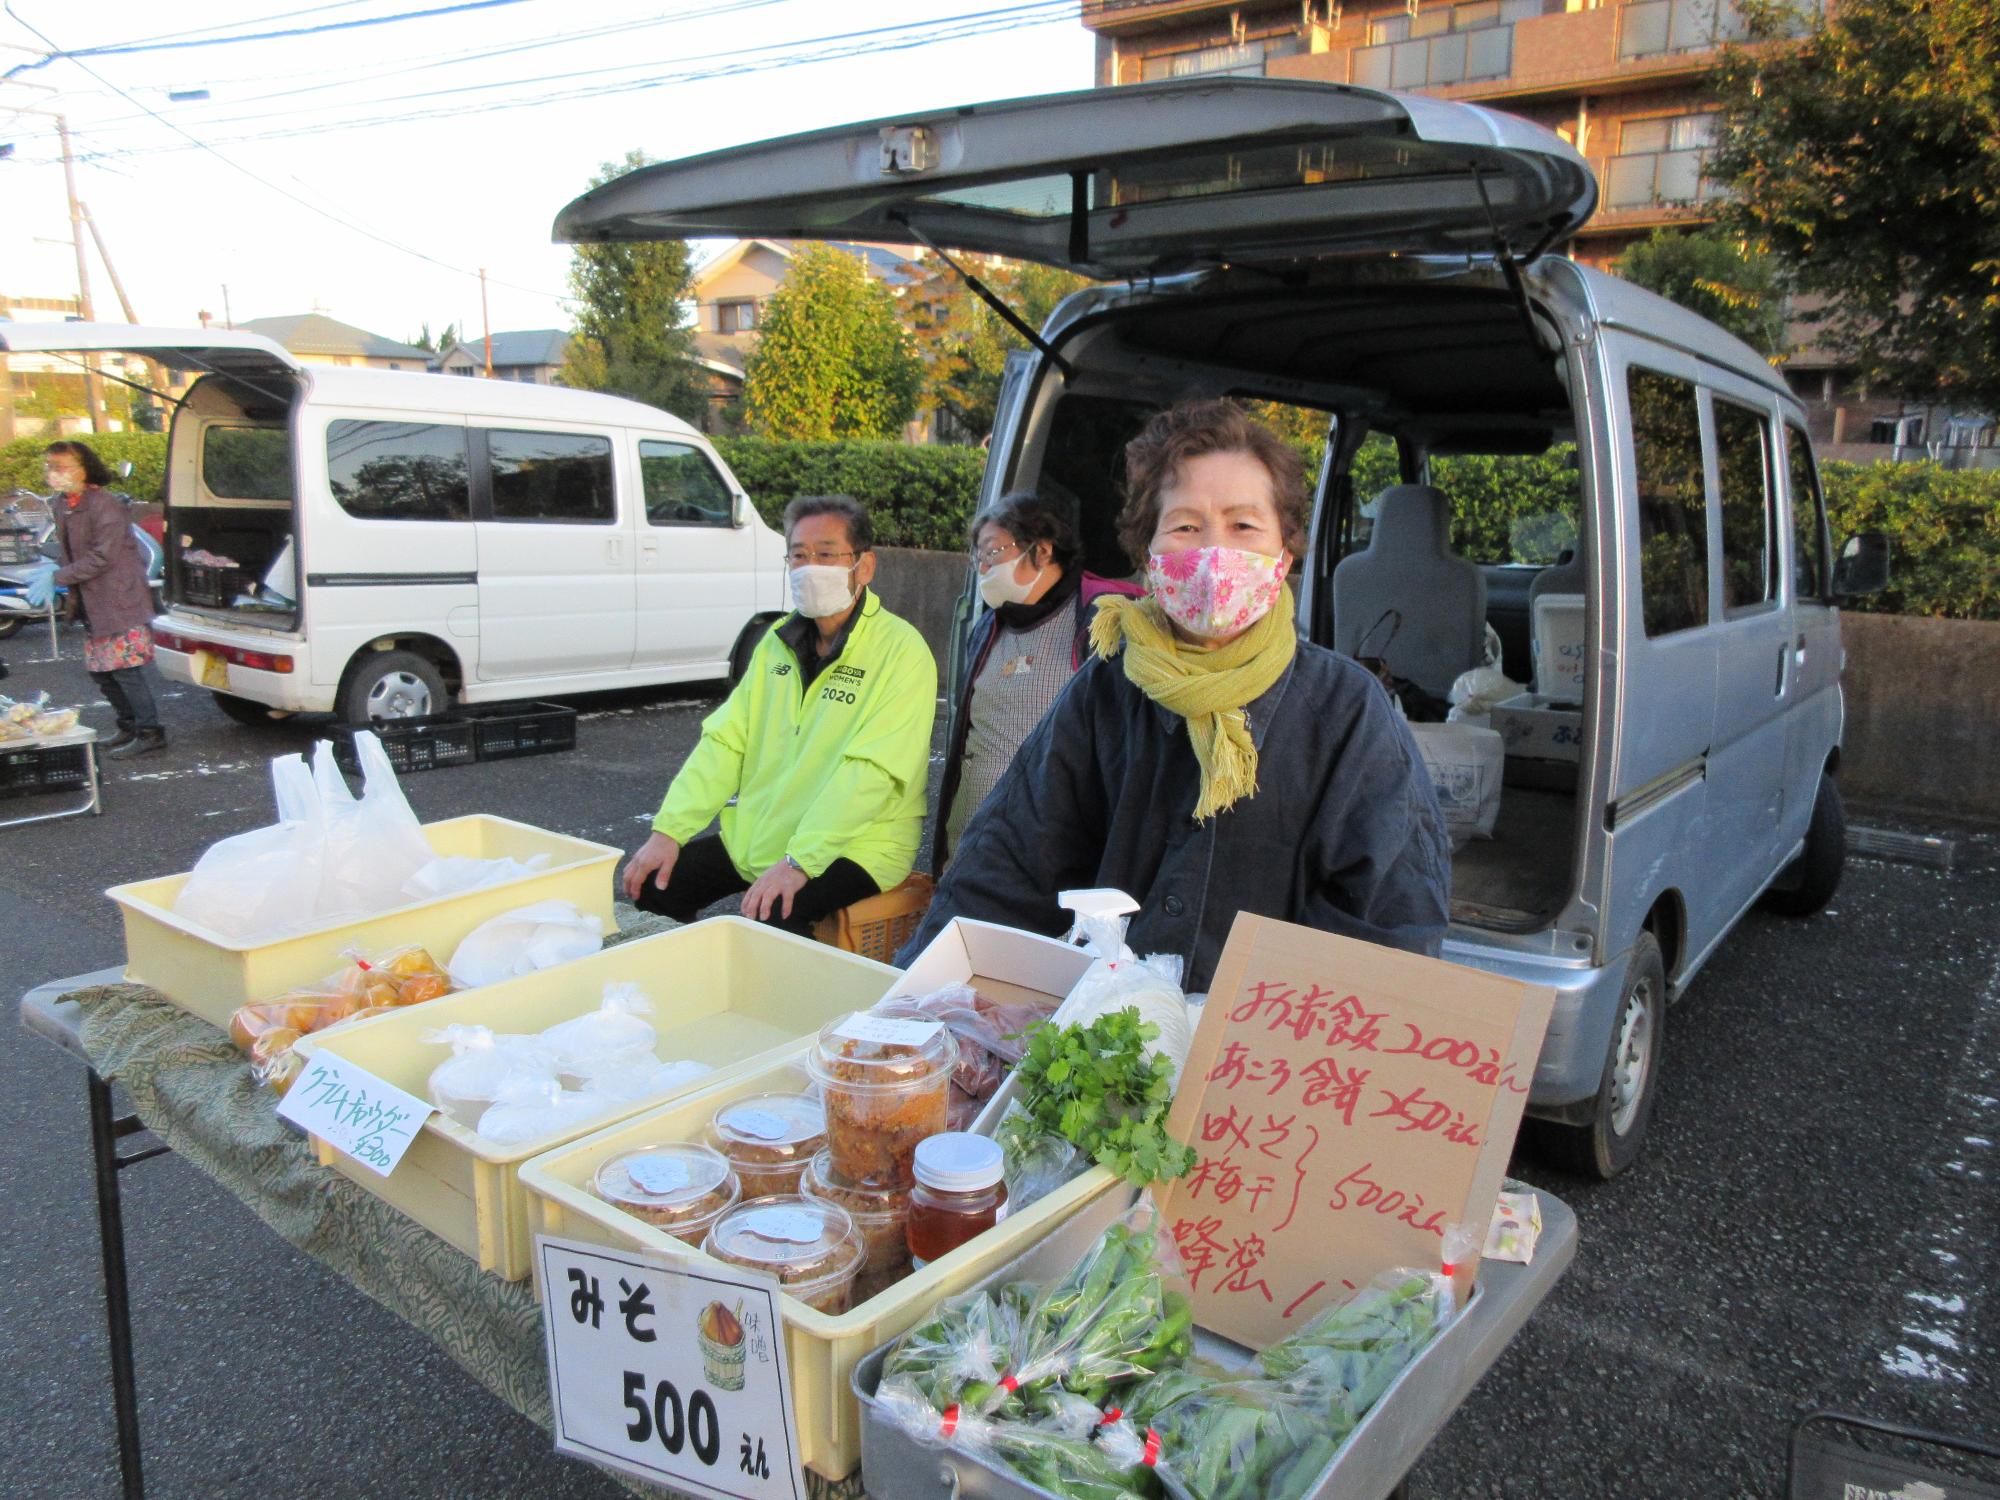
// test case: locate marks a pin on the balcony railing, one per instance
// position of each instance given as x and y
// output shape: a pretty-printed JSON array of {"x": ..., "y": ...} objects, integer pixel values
[
  {"x": 1428, "y": 62},
  {"x": 1657, "y": 28},
  {"x": 1654, "y": 179}
]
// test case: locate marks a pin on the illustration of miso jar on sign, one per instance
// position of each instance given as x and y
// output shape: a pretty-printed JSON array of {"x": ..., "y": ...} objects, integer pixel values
[{"x": 720, "y": 1333}]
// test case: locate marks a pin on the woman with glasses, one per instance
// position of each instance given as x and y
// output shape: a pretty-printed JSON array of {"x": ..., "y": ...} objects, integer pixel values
[
  {"x": 1023, "y": 651},
  {"x": 1206, "y": 760}
]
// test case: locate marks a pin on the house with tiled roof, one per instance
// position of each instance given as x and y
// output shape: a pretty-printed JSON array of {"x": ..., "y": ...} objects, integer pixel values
[
  {"x": 534, "y": 356},
  {"x": 319, "y": 340}
]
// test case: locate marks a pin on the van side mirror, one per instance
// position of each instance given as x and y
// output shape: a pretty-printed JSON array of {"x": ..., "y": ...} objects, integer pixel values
[{"x": 1863, "y": 565}]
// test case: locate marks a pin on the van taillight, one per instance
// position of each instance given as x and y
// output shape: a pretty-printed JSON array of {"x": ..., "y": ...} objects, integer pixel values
[{"x": 259, "y": 661}]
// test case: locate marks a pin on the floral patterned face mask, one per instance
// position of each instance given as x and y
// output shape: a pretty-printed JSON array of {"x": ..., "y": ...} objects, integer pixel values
[{"x": 1212, "y": 592}]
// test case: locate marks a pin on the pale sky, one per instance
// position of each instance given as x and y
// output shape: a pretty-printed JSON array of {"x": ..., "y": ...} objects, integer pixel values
[{"x": 458, "y": 136}]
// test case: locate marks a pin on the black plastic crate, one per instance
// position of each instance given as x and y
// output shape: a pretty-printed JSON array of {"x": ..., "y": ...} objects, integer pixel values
[
  {"x": 18, "y": 546},
  {"x": 427, "y": 743},
  {"x": 210, "y": 586},
  {"x": 43, "y": 768},
  {"x": 534, "y": 729}
]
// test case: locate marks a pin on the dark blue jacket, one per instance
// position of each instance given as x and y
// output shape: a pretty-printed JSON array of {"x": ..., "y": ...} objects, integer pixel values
[{"x": 1344, "y": 833}]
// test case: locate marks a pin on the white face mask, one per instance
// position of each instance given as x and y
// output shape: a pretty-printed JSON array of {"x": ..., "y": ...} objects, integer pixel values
[
  {"x": 822, "y": 589},
  {"x": 998, "y": 585}
]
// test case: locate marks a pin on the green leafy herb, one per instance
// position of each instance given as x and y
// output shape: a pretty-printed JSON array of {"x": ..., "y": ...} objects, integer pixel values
[{"x": 1097, "y": 1087}]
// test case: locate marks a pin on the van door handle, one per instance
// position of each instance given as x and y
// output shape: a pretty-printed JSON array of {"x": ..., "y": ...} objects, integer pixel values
[
  {"x": 614, "y": 549},
  {"x": 1784, "y": 660}
]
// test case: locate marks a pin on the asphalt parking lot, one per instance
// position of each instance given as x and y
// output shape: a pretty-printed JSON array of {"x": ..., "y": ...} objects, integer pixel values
[{"x": 1813, "y": 1224}]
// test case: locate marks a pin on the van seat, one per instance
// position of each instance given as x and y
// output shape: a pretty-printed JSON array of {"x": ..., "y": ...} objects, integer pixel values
[{"x": 1407, "y": 597}]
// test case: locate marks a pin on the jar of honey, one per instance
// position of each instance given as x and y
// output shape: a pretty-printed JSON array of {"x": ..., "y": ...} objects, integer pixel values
[{"x": 958, "y": 1193}]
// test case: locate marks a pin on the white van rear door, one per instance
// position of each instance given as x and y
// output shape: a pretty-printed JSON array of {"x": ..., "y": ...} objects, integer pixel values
[
  {"x": 201, "y": 350},
  {"x": 1130, "y": 182}
]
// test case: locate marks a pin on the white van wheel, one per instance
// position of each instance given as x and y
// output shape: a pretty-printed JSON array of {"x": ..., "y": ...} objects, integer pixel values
[
  {"x": 392, "y": 685},
  {"x": 1609, "y": 1141}
]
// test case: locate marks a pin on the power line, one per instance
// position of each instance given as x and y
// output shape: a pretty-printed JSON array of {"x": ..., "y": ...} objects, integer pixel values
[
  {"x": 286, "y": 15},
  {"x": 264, "y": 182},
  {"x": 250, "y": 36}
]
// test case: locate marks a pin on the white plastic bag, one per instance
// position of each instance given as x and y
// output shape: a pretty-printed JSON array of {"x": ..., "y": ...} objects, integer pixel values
[
  {"x": 258, "y": 883},
  {"x": 1478, "y": 690},
  {"x": 641, "y": 1077},
  {"x": 1120, "y": 980},
  {"x": 373, "y": 843},
  {"x": 524, "y": 940},
  {"x": 533, "y": 1109},
  {"x": 614, "y": 1034},
  {"x": 481, "y": 1066},
  {"x": 455, "y": 874},
  {"x": 1466, "y": 763}
]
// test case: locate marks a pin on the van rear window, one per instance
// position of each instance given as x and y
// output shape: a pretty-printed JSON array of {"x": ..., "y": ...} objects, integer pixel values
[
  {"x": 247, "y": 463},
  {"x": 398, "y": 471}
]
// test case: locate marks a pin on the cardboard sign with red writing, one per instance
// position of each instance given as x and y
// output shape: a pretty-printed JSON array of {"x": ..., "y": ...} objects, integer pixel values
[{"x": 1347, "y": 1103}]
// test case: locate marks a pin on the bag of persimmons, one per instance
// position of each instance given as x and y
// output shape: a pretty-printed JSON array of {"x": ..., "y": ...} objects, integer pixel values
[{"x": 364, "y": 987}]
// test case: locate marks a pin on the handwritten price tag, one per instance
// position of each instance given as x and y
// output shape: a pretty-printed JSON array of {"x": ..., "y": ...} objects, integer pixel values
[
  {"x": 356, "y": 1112},
  {"x": 675, "y": 1374},
  {"x": 1347, "y": 1105}
]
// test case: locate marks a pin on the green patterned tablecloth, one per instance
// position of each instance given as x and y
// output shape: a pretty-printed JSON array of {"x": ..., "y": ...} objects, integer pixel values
[{"x": 193, "y": 1090}]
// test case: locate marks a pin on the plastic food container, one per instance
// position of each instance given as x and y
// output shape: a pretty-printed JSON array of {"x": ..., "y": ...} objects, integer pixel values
[
  {"x": 769, "y": 1139},
  {"x": 812, "y": 1248},
  {"x": 682, "y": 1188},
  {"x": 887, "y": 1083},
  {"x": 879, "y": 1214}
]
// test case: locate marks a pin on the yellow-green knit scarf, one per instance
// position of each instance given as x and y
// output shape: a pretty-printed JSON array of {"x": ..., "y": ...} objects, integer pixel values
[{"x": 1209, "y": 687}]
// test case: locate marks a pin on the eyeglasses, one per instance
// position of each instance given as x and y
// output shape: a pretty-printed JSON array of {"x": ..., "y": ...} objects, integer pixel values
[
  {"x": 799, "y": 557},
  {"x": 986, "y": 557}
]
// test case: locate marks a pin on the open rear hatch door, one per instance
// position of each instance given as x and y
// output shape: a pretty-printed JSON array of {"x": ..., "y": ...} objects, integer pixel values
[
  {"x": 246, "y": 356},
  {"x": 1132, "y": 182}
]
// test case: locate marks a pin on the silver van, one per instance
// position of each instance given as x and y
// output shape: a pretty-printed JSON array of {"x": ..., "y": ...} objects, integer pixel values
[{"x": 1384, "y": 261}]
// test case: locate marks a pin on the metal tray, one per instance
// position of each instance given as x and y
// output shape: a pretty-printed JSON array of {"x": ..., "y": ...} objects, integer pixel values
[{"x": 897, "y": 1465}]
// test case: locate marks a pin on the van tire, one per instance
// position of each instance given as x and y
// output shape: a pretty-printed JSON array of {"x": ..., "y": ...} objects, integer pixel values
[
  {"x": 402, "y": 675},
  {"x": 1808, "y": 882},
  {"x": 1610, "y": 1140},
  {"x": 746, "y": 644},
  {"x": 10, "y": 627},
  {"x": 242, "y": 710}
]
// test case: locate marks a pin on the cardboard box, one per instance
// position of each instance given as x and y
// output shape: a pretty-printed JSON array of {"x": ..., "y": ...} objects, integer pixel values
[{"x": 1533, "y": 728}]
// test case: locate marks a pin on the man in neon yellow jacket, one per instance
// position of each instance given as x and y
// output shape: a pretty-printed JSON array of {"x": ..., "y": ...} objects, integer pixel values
[{"x": 824, "y": 747}]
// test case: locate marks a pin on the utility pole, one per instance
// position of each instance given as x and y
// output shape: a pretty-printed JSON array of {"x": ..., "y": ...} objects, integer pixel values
[
  {"x": 91, "y": 393},
  {"x": 227, "y": 320},
  {"x": 156, "y": 372},
  {"x": 486, "y": 322}
]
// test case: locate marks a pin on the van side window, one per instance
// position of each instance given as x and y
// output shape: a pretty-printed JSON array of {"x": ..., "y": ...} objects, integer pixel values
[
  {"x": 551, "y": 476},
  {"x": 682, "y": 487},
  {"x": 397, "y": 471},
  {"x": 1747, "y": 497},
  {"x": 1673, "y": 516},
  {"x": 1809, "y": 547},
  {"x": 247, "y": 463}
]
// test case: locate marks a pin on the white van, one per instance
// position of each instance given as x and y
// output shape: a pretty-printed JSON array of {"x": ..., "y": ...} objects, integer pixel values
[
  {"x": 1382, "y": 262},
  {"x": 380, "y": 545}
]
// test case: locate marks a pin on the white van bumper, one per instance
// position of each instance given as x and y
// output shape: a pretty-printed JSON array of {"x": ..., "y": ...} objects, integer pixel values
[
  {"x": 1579, "y": 1034},
  {"x": 261, "y": 666}
]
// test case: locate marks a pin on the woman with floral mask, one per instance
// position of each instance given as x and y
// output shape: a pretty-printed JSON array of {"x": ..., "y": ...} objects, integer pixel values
[
  {"x": 1208, "y": 761},
  {"x": 1022, "y": 652}
]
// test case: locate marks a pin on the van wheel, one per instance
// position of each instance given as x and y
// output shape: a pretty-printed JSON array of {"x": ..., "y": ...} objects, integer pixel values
[
  {"x": 746, "y": 643},
  {"x": 1808, "y": 882},
  {"x": 1609, "y": 1141},
  {"x": 242, "y": 710},
  {"x": 392, "y": 685},
  {"x": 10, "y": 627}
]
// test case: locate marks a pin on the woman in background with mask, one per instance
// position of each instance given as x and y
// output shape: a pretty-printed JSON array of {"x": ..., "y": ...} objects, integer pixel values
[
  {"x": 1022, "y": 653},
  {"x": 1206, "y": 760}
]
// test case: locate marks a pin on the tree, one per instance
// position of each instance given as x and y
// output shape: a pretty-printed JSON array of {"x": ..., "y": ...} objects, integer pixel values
[
  {"x": 1867, "y": 156},
  {"x": 442, "y": 342},
  {"x": 832, "y": 361},
  {"x": 630, "y": 305},
  {"x": 965, "y": 343},
  {"x": 1712, "y": 272}
]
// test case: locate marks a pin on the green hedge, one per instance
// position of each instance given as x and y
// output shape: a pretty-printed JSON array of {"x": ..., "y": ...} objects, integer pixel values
[
  {"x": 21, "y": 461},
  {"x": 1943, "y": 524},
  {"x": 919, "y": 496}
]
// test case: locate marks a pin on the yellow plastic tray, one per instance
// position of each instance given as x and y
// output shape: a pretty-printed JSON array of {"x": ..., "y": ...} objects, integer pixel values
[
  {"x": 821, "y": 1350},
  {"x": 210, "y": 975},
  {"x": 727, "y": 992}
]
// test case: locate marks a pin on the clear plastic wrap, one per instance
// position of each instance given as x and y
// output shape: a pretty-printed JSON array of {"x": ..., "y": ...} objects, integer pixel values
[
  {"x": 481, "y": 1065},
  {"x": 1121, "y": 980},
  {"x": 1037, "y": 1161},
  {"x": 455, "y": 874},
  {"x": 524, "y": 941},
  {"x": 634, "y": 1078},
  {"x": 361, "y": 988},
  {"x": 616, "y": 1032},
  {"x": 988, "y": 1033},
  {"x": 534, "y": 1109}
]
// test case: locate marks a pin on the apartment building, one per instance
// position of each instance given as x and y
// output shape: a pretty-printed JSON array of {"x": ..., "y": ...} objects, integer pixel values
[{"x": 1624, "y": 81}]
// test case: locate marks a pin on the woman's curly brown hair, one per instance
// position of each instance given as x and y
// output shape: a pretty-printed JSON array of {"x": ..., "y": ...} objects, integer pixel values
[{"x": 1190, "y": 430}]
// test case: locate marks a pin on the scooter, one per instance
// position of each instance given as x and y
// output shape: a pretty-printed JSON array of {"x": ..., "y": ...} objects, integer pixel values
[{"x": 18, "y": 521}]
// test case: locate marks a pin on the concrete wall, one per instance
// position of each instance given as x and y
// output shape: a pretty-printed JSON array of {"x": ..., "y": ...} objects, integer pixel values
[
  {"x": 922, "y": 587},
  {"x": 1923, "y": 714}
]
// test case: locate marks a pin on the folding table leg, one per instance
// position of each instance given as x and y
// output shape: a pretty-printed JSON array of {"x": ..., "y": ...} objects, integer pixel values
[{"x": 104, "y": 1133}]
